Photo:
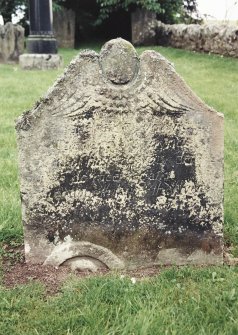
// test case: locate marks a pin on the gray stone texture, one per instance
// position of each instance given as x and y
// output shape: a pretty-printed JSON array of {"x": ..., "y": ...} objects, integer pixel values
[
  {"x": 11, "y": 42},
  {"x": 40, "y": 61},
  {"x": 64, "y": 27},
  {"x": 213, "y": 38},
  {"x": 143, "y": 26},
  {"x": 121, "y": 166}
]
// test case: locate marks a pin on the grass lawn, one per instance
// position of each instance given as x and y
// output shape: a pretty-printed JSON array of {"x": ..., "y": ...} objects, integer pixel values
[{"x": 179, "y": 301}]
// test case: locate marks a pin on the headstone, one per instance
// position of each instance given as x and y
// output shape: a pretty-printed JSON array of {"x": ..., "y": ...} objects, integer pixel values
[
  {"x": 11, "y": 42},
  {"x": 143, "y": 27},
  {"x": 121, "y": 165},
  {"x": 64, "y": 27}
]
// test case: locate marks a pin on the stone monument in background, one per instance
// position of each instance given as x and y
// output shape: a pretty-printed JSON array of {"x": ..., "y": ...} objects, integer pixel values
[
  {"x": 64, "y": 27},
  {"x": 11, "y": 42},
  {"x": 41, "y": 44},
  {"x": 143, "y": 27},
  {"x": 121, "y": 166}
]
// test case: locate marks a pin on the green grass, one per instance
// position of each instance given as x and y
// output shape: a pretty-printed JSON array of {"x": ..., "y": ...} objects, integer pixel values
[
  {"x": 184, "y": 301},
  {"x": 194, "y": 302}
]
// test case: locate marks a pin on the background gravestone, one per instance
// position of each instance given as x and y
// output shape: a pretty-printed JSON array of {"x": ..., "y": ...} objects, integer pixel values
[
  {"x": 64, "y": 27},
  {"x": 143, "y": 27},
  {"x": 121, "y": 166},
  {"x": 11, "y": 42}
]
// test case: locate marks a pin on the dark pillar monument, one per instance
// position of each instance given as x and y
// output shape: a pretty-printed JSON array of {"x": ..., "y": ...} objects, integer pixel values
[
  {"x": 41, "y": 44},
  {"x": 41, "y": 39}
]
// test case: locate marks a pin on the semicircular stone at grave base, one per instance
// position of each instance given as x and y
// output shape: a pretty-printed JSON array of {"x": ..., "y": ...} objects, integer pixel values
[
  {"x": 83, "y": 256},
  {"x": 122, "y": 157},
  {"x": 85, "y": 264}
]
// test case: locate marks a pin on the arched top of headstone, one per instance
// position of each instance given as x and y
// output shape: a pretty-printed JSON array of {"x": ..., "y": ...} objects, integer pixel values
[{"x": 119, "y": 61}]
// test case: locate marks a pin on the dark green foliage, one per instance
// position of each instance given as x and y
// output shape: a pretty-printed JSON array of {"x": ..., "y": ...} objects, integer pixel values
[
  {"x": 9, "y": 7},
  {"x": 168, "y": 11},
  {"x": 99, "y": 10},
  {"x": 190, "y": 13},
  {"x": 109, "y": 6},
  {"x": 103, "y": 18},
  {"x": 171, "y": 11}
]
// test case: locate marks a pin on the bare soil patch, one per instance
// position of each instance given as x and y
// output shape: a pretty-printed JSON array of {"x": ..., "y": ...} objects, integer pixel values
[{"x": 17, "y": 272}]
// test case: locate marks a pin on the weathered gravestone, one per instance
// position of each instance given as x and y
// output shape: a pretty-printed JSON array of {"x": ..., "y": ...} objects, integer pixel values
[
  {"x": 11, "y": 42},
  {"x": 121, "y": 166},
  {"x": 64, "y": 27},
  {"x": 143, "y": 27}
]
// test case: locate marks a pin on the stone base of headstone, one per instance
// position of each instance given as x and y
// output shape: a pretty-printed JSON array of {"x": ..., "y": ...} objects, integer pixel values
[{"x": 40, "y": 61}]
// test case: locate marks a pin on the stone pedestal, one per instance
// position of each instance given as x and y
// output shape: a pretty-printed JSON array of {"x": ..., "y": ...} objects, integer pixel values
[
  {"x": 41, "y": 39},
  {"x": 41, "y": 44},
  {"x": 40, "y": 61}
]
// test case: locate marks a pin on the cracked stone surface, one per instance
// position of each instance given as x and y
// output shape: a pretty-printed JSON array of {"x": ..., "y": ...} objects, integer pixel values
[{"x": 121, "y": 165}]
